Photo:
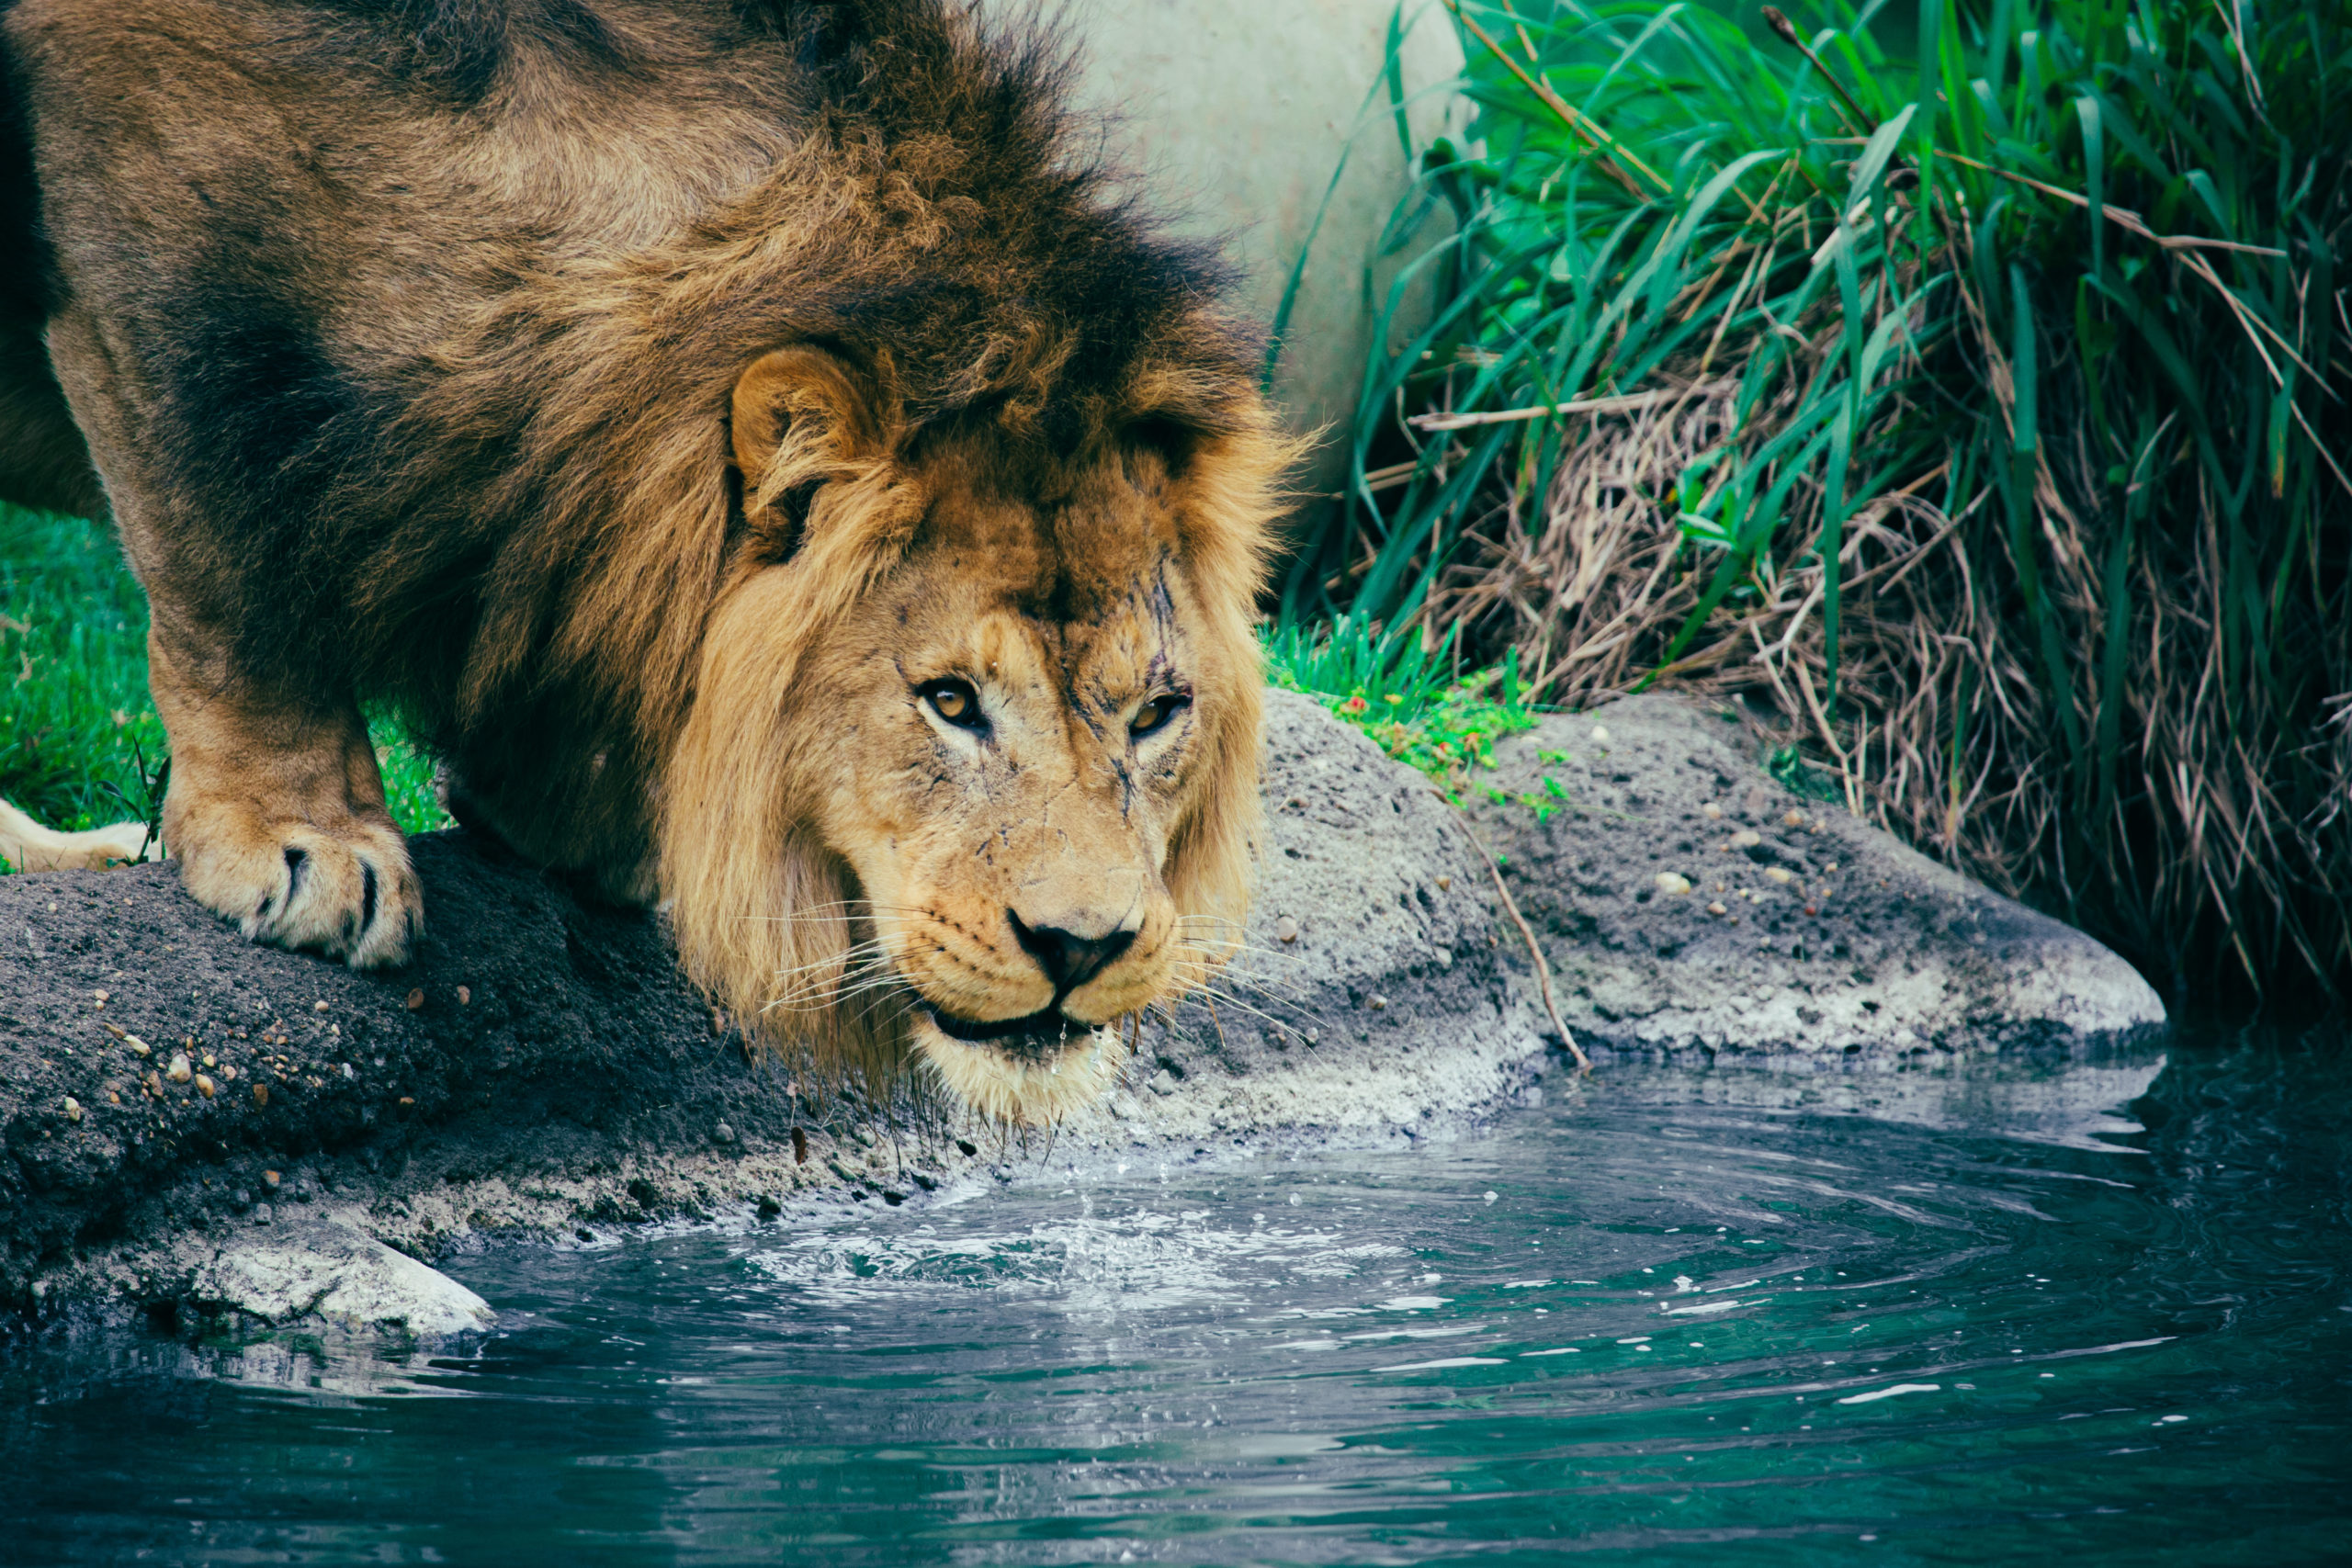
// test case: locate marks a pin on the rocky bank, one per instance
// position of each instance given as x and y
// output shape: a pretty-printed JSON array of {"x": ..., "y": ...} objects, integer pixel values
[{"x": 203, "y": 1131}]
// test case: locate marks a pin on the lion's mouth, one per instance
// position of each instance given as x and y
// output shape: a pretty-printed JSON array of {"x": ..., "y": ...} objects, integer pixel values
[{"x": 1046, "y": 1030}]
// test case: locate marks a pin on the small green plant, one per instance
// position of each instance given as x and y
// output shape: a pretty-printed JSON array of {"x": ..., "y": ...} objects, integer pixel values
[{"x": 1405, "y": 695}]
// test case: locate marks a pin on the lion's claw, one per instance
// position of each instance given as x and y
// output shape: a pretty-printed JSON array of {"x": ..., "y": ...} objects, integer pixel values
[{"x": 349, "y": 895}]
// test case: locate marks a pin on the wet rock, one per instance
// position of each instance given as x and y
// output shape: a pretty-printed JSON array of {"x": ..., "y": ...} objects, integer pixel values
[
  {"x": 330, "y": 1271},
  {"x": 580, "y": 1086},
  {"x": 1819, "y": 934}
]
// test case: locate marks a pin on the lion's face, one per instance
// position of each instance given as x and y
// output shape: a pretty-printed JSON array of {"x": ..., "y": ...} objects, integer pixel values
[
  {"x": 1010, "y": 781},
  {"x": 1022, "y": 710}
]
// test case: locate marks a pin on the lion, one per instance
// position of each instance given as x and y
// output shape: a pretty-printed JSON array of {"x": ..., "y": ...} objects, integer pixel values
[{"x": 751, "y": 444}]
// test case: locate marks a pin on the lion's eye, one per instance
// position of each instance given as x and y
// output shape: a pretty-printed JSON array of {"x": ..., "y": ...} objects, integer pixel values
[
  {"x": 954, "y": 701},
  {"x": 1154, "y": 715}
]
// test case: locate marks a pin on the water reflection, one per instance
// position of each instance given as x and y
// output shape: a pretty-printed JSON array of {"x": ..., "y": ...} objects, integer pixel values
[{"x": 2097, "y": 1307}]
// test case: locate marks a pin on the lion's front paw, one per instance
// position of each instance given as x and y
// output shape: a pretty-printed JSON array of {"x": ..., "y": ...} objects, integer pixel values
[{"x": 350, "y": 894}]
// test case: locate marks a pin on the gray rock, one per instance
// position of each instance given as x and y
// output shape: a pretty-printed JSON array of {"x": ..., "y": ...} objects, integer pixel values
[
  {"x": 1392, "y": 1004},
  {"x": 1835, "y": 937},
  {"x": 1236, "y": 113},
  {"x": 330, "y": 1271},
  {"x": 583, "y": 1084}
]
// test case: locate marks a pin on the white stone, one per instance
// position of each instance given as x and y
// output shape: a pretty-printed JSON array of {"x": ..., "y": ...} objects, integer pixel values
[
  {"x": 329, "y": 1271},
  {"x": 1236, "y": 113}
]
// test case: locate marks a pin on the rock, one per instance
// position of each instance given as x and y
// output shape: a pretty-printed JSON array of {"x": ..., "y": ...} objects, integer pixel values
[
  {"x": 579, "y": 1085},
  {"x": 1897, "y": 954},
  {"x": 582, "y": 1085},
  {"x": 330, "y": 1271},
  {"x": 1237, "y": 114}
]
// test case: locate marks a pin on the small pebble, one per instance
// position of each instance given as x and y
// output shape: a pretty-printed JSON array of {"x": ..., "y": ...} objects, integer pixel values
[
  {"x": 113, "y": 1097},
  {"x": 209, "y": 1061},
  {"x": 72, "y": 1109},
  {"x": 1378, "y": 1003},
  {"x": 723, "y": 1133},
  {"x": 1445, "y": 882},
  {"x": 415, "y": 1000},
  {"x": 1163, "y": 1082},
  {"x": 204, "y": 1086},
  {"x": 1745, "y": 839},
  {"x": 1774, "y": 873},
  {"x": 261, "y": 1213},
  {"x": 261, "y": 1094},
  {"x": 1600, "y": 734},
  {"x": 1794, "y": 818},
  {"x": 101, "y": 998},
  {"x": 319, "y": 1007},
  {"x": 1715, "y": 908},
  {"x": 179, "y": 1071},
  {"x": 1287, "y": 929},
  {"x": 1712, "y": 812},
  {"x": 464, "y": 995},
  {"x": 269, "y": 1178},
  {"x": 1812, "y": 909},
  {"x": 1672, "y": 882},
  {"x": 408, "y": 1099},
  {"x": 1831, "y": 868},
  {"x": 137, "y": 1046}
]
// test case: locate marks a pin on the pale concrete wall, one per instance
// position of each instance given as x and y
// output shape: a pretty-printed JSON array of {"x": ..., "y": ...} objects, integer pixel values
[{"x": 1236, "y": 113}]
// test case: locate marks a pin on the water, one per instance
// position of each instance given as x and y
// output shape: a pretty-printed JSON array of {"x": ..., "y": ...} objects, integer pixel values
[{"x": 2102, "y": 1315}]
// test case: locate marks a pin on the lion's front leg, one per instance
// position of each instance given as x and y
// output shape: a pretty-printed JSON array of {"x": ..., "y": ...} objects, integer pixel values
[{"x": 275, "y": 812}]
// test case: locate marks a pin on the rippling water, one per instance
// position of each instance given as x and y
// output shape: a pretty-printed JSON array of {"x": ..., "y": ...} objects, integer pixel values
[{"x": 2100, "y": 1311}]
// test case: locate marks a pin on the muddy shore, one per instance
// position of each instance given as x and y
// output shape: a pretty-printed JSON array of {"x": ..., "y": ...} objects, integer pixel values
[{"x": 204, "y": 1132}]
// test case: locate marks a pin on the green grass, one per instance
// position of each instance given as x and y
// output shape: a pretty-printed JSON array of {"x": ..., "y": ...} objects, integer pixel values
[
  {"x": 80, "y": 744},
  {"x": 79, "y": 741},
  {"x": 1985, "y": 415}
]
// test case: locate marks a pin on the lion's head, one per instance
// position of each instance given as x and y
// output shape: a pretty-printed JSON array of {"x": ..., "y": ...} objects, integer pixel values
[{"x": 970, "y": 775}]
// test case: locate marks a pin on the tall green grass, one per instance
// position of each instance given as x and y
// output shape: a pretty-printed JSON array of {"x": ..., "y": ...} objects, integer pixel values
[
  {"x": 80, "y": 743},
  {"x": 1981, "y": 415}
]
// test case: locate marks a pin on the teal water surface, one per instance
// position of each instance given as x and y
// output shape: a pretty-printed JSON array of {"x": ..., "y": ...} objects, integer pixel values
[{"x": 2092, "y": 1310}]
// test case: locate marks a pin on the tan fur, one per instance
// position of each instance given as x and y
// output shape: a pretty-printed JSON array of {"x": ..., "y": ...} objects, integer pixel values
[
  {"x": 26, "y": 845},
  {"x": 649, "y": 396}
]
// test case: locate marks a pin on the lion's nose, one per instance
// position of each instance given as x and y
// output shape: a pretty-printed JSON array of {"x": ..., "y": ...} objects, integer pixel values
[{"x": 1069, "y": 959}]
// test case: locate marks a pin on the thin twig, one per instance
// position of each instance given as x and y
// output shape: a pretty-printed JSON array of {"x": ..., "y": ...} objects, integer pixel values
[
  {"x": 1573, "y": 118},
  {"x": 1534, "y": 949},
  {"x": 1779, "y": 22},
  {"x": 1627, "y": 402},
  {"x": 2123, "y": 217}
]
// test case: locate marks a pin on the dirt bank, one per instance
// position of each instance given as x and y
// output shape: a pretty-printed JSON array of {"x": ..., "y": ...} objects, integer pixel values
[{"x": 199, "y": 1129}]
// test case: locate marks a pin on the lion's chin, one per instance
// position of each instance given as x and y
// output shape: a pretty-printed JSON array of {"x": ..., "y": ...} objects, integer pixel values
[{"x": 1031, "y": 1072}]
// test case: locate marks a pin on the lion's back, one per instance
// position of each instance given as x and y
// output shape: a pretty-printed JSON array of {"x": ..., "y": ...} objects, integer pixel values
[{"x": 376, "y": 169}]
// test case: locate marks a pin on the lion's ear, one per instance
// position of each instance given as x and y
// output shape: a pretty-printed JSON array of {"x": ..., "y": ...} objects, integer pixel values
[{"x": 803, "y": 418}]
